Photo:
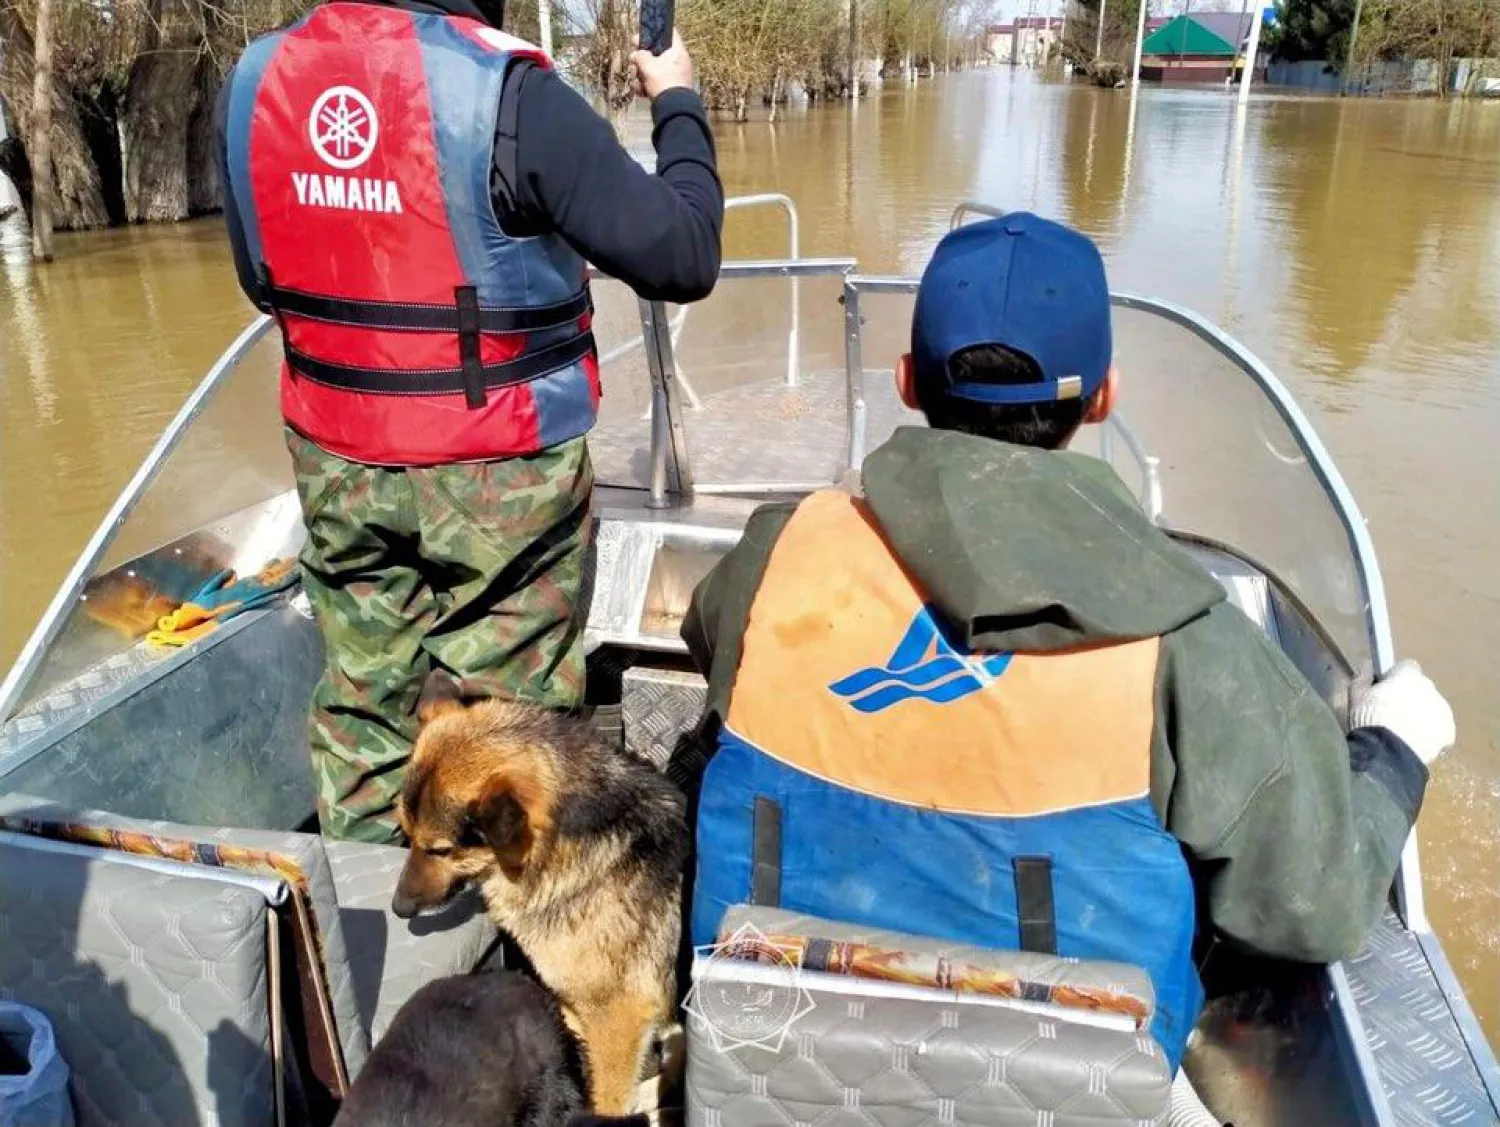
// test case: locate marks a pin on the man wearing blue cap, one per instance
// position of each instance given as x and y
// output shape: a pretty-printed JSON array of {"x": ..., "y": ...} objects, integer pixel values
[{"x": 988, "y": 700}]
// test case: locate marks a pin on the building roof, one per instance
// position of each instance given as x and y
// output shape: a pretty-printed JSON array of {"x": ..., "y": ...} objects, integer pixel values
[
  {"x": 1232, "y": 27},
  {"x": 1037, "y": 22},
  {"x": 1216, "y": 34}
]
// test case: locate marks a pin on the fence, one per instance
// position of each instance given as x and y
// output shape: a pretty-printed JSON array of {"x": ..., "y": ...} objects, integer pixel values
[{"x": 1388, "y": 76}]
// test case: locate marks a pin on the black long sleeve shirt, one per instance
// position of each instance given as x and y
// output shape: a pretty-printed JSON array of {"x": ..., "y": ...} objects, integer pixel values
[{"x": 565, "y": 172}]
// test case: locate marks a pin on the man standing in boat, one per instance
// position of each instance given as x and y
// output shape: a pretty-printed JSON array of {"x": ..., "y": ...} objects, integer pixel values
[
  {"x": 414, "y": 194},
  {"x": 990, "y": 701}
]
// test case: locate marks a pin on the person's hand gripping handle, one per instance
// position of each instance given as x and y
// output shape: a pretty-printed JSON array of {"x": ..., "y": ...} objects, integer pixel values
[{"x": 663, "y": 70}]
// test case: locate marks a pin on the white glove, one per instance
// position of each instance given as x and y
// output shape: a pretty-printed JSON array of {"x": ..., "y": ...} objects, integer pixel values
[{"x": 1407, "y": 703}]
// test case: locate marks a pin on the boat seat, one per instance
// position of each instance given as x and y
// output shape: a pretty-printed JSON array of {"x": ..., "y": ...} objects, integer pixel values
[
  {"x": 389, "y": 958},
  {"x": 862, "y": 1034},
  {"x": 280, "y": 946}
]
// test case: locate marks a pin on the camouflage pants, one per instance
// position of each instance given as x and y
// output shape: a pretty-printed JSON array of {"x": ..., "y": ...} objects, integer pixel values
[{"x": 475, "y": 568}]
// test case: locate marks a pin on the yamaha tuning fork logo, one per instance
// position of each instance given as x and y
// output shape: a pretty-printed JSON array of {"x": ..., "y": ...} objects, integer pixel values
[{"x": 344, "y": 128}]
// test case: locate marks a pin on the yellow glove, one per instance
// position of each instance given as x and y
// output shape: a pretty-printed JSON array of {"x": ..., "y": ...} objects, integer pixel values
[{"x": 187, "y": 623}]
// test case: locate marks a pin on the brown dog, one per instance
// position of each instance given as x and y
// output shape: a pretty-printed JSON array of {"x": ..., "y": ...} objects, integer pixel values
[{"x": 579, "y": 852}]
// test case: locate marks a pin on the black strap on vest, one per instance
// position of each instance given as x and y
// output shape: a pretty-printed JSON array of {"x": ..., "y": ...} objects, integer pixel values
[
  {"x": 467, "y": 300},
  {"x": 394, "y": 316},
  {"x": 1034, "y": 907},
  {"x": 765, "y": 848},
  {"x": 442, "y": 381}
]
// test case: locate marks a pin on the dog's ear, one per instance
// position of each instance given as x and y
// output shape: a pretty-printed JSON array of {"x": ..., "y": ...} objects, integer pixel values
[
  {"x": 500, "y": 820},
  {"x": 441, "y": 693}
]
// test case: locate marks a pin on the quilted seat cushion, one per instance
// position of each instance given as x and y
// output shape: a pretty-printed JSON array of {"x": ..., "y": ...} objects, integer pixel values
[
  {"x": 304, "y": 849},
  {"x": 389, "y": 958},
  {"x": 854, "y": 1061},
  {"x": 154, "y": 977},
  {"x": 771, "y": 1044}
]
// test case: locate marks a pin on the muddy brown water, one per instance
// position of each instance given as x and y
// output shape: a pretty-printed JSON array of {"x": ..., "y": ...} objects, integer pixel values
[{"x": 1355, "y": 246}]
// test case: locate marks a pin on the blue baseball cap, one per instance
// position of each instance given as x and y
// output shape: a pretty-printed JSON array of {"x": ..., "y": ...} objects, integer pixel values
[{"x": 1031, "y": 285}]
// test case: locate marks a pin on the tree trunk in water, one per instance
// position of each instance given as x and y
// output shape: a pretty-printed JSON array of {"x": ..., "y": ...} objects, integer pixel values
[
  {"x": 741, "y": 106},
  {"x": 775, "y": 94},
  {"x": 76, "y": 201},
  {"x": 854, "y": 48},
  {"x": 205, "y": 192},
  {"x": 43, "y": 187},
  {"x": 159, "y": 101}
]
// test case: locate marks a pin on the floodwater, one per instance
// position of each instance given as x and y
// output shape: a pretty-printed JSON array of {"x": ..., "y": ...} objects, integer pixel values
[{"x": 1354, "y": 246}]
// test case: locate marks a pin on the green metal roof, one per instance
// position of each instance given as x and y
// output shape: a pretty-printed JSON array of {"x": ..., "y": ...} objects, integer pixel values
[{"x": 1186, "y": 36}]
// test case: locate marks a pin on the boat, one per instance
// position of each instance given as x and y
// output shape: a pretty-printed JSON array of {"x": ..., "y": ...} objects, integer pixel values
[{"x": 205, "y": 957}]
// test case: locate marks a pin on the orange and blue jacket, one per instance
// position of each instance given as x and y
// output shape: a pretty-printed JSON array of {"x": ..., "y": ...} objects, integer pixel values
[{"x": 990, "y": 702}]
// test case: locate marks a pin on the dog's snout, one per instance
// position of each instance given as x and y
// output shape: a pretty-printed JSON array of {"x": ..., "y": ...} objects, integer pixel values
[
  {"x": 425, "y": 883},
  {"x": 412, "y": 892}
]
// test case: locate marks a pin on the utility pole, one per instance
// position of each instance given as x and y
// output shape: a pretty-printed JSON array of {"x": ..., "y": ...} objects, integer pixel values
[
  {"x": 1140, "y": 38},
  {"x": 1359, "y": 6},
  {"x": 544, "y": 22},
  {"x": 1249, "y": 73},
  {"x": 1099, "y": 38}
]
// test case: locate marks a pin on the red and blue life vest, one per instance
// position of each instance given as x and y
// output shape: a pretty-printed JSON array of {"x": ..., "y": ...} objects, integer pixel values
[
  {"x": 872, "y": 770},
  {"x": 360, "y": 142}
]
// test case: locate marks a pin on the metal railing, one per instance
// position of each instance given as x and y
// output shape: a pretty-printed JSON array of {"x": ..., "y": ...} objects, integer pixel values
[
  {"x": 677, "y": 323},
  {"x": 794, "y": 253},
  {"x": 669, "y": 459}
]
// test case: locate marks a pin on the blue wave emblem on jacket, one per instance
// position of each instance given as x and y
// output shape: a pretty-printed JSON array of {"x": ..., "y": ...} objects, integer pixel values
[{"x": 926, "y": 665}]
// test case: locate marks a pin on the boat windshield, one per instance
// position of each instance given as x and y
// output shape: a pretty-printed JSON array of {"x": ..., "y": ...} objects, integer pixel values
[
  {"x": 761, "y": 386},
  {"x": 1209, "y": 441}
]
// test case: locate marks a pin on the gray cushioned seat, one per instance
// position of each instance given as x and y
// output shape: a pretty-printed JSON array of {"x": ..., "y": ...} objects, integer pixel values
[
  {"x": 372, "y": 961},
  {"x": 783, "y": 1046},
  {"x": 390, "y": 958}
]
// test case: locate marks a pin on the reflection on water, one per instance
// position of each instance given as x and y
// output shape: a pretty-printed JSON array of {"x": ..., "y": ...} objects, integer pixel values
[{"x": 1354, "y": 245}]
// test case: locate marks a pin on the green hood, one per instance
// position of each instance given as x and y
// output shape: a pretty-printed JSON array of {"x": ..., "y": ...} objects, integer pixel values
[{"x": 1028, "y": 549}]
